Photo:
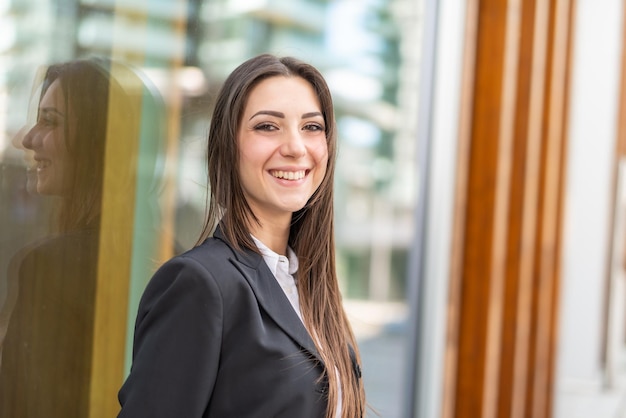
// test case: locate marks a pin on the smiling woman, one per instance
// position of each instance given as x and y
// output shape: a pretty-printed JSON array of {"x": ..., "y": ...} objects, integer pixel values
[{"x": 251, "y": 318}]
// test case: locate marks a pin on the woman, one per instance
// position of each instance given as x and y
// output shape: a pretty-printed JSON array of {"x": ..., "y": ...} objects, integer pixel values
[
  {"x": 47, "y": 353},
  {"x": 250, "y": 322}
]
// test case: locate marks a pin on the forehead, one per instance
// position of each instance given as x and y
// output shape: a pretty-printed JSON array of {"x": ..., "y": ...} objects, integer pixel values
[
  {"x": 53, "y": 97},
  {"x": 281, "y": 91}
]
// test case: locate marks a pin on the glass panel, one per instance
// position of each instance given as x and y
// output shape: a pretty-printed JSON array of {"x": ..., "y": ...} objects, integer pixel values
[{"x": 130, "y": 163}]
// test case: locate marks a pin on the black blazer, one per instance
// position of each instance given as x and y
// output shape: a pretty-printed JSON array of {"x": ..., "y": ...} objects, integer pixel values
[
  {"x": 46, "y": 356},
  {"x": 217, "y": 337}
]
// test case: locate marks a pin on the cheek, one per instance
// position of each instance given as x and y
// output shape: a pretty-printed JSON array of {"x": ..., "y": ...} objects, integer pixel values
[
  {"x": 248, "y": 171},
  {"x": 247, "y": 161},
  {"x": 55, "y": 141},
  {"x": 320, "y": 154},
  {"x": 48, "y": 139},
  {"x": 321, "y": 160}
]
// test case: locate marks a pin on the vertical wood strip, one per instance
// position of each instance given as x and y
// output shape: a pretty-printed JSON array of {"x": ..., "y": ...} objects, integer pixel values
[
  {"x": 621, "y": 127},
  {"x": 504, "y": 159},
  {"x": 552, "y": 207},
  {"x": 115, "y": 252},
  {"x": 517, "y": 213},
  {"x": 537, "y": 32},
  {"x": 481, "y": 204}
]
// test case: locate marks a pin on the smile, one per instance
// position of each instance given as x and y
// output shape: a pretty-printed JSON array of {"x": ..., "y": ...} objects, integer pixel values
[
  {"x": 288, "y": 175},
  {"x": 42, "y": 164}
]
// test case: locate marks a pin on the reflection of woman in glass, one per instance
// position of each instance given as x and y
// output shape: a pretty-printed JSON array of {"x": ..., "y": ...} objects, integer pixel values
[
  {"x": 46, "y": 355},
  {"x": 68, "y": 140},
  {"x": 47, "y": 140}
]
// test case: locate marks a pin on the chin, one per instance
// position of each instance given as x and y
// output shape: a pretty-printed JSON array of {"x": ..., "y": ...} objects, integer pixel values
[
  {"x": 46, "y": 190},
  {"x": 296, "y": 209}
]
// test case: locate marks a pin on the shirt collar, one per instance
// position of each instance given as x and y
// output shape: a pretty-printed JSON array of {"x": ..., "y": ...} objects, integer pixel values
[{"x": 272, "y": 259}]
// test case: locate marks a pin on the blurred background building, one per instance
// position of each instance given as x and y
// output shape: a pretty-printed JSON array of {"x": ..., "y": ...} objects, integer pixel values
[{"x": 479, "y": 189}]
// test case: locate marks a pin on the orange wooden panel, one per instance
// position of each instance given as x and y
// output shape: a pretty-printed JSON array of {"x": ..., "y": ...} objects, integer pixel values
[{"x": 504, "y": 275}]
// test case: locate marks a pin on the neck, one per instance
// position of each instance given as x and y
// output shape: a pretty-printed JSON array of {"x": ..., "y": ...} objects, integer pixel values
[{"x": 273, "y": 235}]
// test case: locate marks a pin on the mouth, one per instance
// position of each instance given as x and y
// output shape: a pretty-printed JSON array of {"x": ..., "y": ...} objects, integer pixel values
[
  {"x": 42, "y": 163},
  {"x": 288, "y": 175}
]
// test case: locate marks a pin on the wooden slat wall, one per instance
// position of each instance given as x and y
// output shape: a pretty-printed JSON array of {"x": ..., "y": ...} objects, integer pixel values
[{"x": 504, "y": 273}]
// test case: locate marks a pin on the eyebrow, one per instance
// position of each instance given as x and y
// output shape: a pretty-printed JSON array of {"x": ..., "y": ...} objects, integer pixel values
[
  {"x": 282, "y": 115},
  {"x": 50, "y": 110}
]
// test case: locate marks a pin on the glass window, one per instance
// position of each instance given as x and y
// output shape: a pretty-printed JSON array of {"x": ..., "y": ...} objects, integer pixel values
[{"x": 104, "y": 111}]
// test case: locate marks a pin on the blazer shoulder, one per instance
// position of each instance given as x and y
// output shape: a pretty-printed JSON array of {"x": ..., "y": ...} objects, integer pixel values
[
  {"x": 209, "y": 258},
  {"x": 211, "y": 248},
  {"x": 214, "y": 259},
  {"x": 215, "y": 252}
]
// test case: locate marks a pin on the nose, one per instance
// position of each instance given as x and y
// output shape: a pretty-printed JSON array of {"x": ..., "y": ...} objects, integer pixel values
[
  {"x": 294, "y": 145},
  {"x": 29, "y": 140}
]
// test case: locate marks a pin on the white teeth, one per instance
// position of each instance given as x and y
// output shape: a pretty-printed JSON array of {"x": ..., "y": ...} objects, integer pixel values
[{"x": 288, "y": 175}]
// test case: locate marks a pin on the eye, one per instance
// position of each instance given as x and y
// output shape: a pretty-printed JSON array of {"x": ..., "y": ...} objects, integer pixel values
[
  {"x": 266, "y": 127},
  {"x": 314, "y": 127},
  {"x": 47, "y": 121}
]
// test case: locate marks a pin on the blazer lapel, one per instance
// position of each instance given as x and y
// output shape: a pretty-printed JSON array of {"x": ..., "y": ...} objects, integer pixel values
[{"x": 271, "y": 296}]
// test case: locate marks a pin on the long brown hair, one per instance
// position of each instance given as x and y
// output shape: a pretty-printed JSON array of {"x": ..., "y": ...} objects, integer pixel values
[
  {"x": 85, "y": 90},
  {"x": 312, "y": 230}
]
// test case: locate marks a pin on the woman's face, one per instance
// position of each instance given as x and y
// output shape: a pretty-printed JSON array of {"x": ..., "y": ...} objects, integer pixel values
[
  {"x": 50, "y": 159},
  {"x": 282, "y": 147}
]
